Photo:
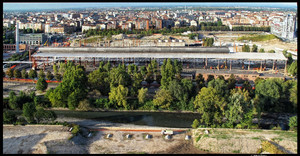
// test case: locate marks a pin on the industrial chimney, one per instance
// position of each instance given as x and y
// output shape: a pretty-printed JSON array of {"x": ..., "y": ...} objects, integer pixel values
[{"x": 17, "y": 37}]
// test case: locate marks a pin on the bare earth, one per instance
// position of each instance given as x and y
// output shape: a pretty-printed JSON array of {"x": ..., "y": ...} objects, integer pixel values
[{"x": 41, "y": 139}]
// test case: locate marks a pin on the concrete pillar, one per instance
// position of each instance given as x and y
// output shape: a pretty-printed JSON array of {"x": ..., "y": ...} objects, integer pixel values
[
  {"x": 205, "y": 62},
  {"x": 94, "y": 62},
  {"x": 80, "y": 61},
  {"x": 218, "y": 65},
  {"x": 230, "y": 64},
  {"x": 225, "y": 64},
  {"x": 275, "y": 64},
  {"x": 273, "y": 67},
  {"x": 265, "y": 65},
  {"x": 195, "y": 63},
  {"x": 243, "y": 64},
  {"x": 260, "y": 65},
  {"x": 249, "y": 65},
  {"x": 123, "y": 60}
]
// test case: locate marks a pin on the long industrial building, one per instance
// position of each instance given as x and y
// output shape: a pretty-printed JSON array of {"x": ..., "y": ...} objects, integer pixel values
[{"x": 144, "y": 54}]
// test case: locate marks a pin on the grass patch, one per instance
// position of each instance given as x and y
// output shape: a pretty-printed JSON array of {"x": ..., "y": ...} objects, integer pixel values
[
  {"x": 236, "y": 151},
  {"x": 277, "y": 139},
  {"x": 255, "y": 138},
  {"x": 269, "y": 147},
  {"x": 256, "y": 38},
  {"x": 223, "y": 136},
  {"x": 287, "y": 134},
  {"x": 255, "y": 130},
  {"x": 198, "y": 138}
]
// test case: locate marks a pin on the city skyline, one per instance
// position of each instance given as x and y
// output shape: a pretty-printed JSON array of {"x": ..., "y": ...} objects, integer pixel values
[{"x": 39, "y": 6}]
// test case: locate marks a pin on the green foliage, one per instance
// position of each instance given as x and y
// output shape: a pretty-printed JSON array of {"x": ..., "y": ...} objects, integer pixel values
[
  {"x": 294, "y": 96},
  {"x": 142, "y": 93},
  {"x": 257, "y": 38},
  {"x": 220, "y": 86},
  {"x": 192, "y": 36},
  {"x": 231, "y": 82},
  {"x": 210, "y": 105},
  {"x": 13, "y": 101},
  {"x": 246, "y": 48},
  {"x": 292, "y": 69},
  {"x": 24, "y": 74},
  {"x": 269, "y": 147},
  {"x": 208, "y": 42},
  {"x": 41, "y": 74},
  {"x": 261, "y": 50},
  {"x": 84, "y": 105},
  {"x": 271, "y": 51},
  {"x": 57, "y": 77},
  {"x": 100, "y": 81},
  {"x": 28, "y": 111},
  {"x": 32, "y": 74},
  {"x": 44, "y": 116},
  {"x": 293, "y": 123},
  {"x": 10, "y": 73},
  {"x": 167, "y": 73},
  {"x": 200, "y": 81},
  {"x": 254, "y": 48},
  {"x": 195, "y": 123},
  {"x": 163, "y": 99},
  {"x": 119, "y": 76},
  {"x": 118, "y": 96},
  {"x": 209, "y": 78},
  {"x": 49, "y": 75},
  {"x": 9, "y": 118},
  {"x": 102, "y": 103},
  {"x": 41, "y": 84},
  {"x": 75, "y": 130},
  {"x": 17, "y": 73},
  {"x": 74, "y": 80},
  {"x": 55, "y": 68}
]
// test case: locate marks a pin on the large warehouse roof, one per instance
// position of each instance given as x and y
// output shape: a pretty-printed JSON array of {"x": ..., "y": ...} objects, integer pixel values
[
  {"x": 239, "y": 55},
  {"x": 135, "y": 49}
]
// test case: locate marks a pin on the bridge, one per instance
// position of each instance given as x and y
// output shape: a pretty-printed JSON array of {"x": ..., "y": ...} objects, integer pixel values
[{"x": 17, "y": 62}]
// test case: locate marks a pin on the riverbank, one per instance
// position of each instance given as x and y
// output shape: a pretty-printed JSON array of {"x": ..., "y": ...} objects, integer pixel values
[{"x": 54, "y": 139}]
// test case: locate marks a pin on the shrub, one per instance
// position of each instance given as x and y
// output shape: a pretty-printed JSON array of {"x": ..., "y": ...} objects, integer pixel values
[
  {"x": 75, "y": 130},
  {"x": 8, "y": 117},
  {"x": 84, "y": 105},
  {"x": 195, "y": 123},
  {"x": 293, "y": 123}
]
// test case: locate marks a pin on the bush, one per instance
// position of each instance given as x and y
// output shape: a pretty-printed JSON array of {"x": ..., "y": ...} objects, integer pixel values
[
  {"x": 195, "y": 123},
  {"x": 293, "y": 123},
  {"x": 84, "y": 105},
  {"x": 75, "y": 130},
  {"x": 102, "y": 103},
  {"x": 9, "y": 118}
]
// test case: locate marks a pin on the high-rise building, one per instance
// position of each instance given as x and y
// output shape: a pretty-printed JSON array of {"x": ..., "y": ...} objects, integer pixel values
[{"x": 285, "y": 27}]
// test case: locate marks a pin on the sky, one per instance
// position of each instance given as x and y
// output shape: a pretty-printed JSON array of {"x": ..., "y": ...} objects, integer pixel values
[{"x": 39, "y": 6}]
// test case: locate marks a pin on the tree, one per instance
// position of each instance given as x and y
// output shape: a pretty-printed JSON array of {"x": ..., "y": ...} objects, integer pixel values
[
  {"x": 49, "y": 75},
  {"x": 136, "y": 82},
  {"x": 58, "y": 77},
  {"x": 209, "y": 78},
  {"x": 24, "y": 74},
  {"x": 143, "y": 70},
  {"x": 210, "y": 105},
  {"x": 239, "y": 105},
  {"x": 294, "y": 96},
  {"x": 220, "y": 86},
  {"x": 9, "y": 117},
  {"x": 200, "y": 81},
  {"x": 142, "y": 93},
  {"x": 10, "y": 73},
  {"x": 55, "y": 68},
  {"x": 118, "y": 76},
  {"x": 177, "y": 91},
  {"x": 107, "y": 67},
  {"x": 254, "y": 48},
  {"x": 261, "y": 50},
  {"x": 162, "y": 99},
  {"x": 292, "y": 69},
  {"x": 41, "y": 84},
  {"x": 40, "y": 115},
  {"x": 41, "y": 74},
  {"x": 246, "y": 48},
  {"x": 271, "y": 51},
  {"x": 293, "y": 123},
  {"x": 13, "y": 101},
  {"x": 195, "y": 123},
  {"x": 231, "y": 82},
  {"x": 167, "y": 73},
  {"x": 118, "y": 96},
  {"x": 28, "y": 111},
  {"x": 32, "y": 74},
  {"x": 84, "y": 105},
  {"x": 100, "y": 81},
  {"x": 17, "y": 73},
  {"x": 269, "y": 92}
]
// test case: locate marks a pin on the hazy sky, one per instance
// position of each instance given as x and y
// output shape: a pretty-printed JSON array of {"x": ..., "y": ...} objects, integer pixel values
[{"x": 34, "y": 6}]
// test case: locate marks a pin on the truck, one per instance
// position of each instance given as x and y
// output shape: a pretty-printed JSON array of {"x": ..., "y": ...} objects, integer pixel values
[{"x": 169, "y": 132}]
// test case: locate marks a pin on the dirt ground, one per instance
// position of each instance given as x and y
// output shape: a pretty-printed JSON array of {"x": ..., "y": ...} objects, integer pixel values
[
  {"x": 41, "y": 139},
  {"x": 243, "y": 141}
]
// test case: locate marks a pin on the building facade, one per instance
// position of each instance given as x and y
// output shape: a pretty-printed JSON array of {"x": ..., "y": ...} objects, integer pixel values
[{"x": 33, "y": 39}]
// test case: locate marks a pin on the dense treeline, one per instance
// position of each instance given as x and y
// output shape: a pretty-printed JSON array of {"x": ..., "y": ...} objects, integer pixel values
[
  {"x": 121, "y": 87},
  {"x": 243, "y": 28}
]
